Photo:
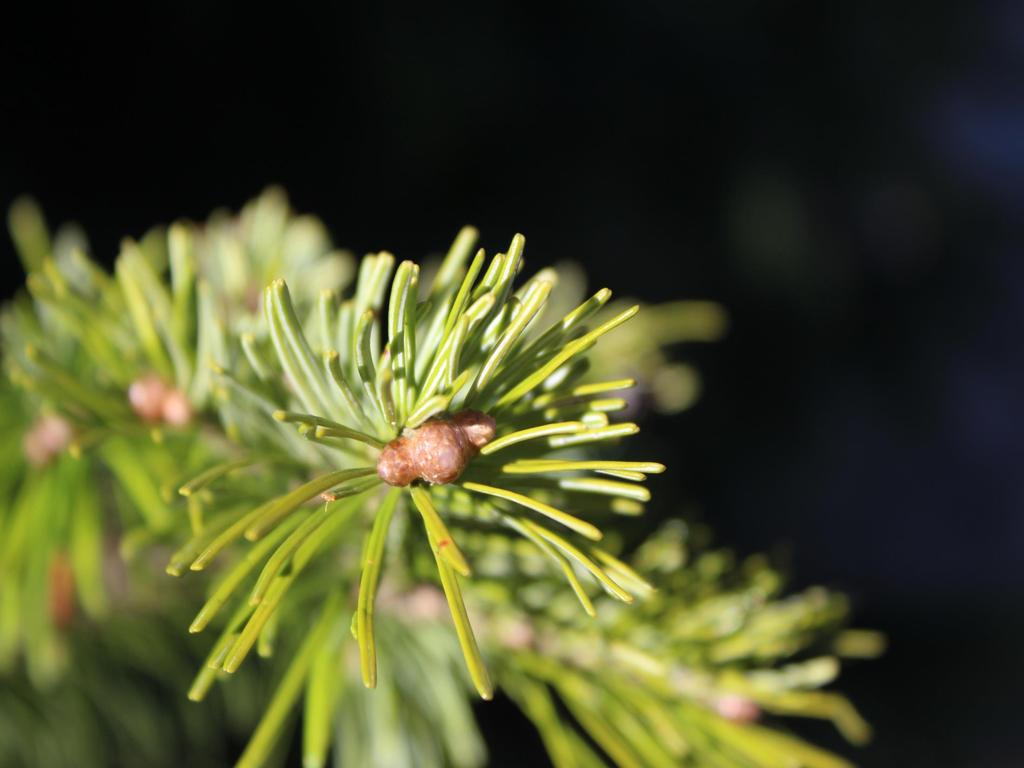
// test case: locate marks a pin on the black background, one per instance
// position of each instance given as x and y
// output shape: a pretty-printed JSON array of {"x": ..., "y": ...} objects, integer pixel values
[{"x": 845, "y": 177}]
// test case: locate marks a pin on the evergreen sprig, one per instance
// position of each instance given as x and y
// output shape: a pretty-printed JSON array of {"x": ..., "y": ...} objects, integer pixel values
[
  {"x": 716, "y": 647},
  {"x": 474, "y": 334},
  {"x": 220, "y": 392}
]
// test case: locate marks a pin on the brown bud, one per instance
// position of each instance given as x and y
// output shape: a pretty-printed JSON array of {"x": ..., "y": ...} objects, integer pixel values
[
  {"x": 478, "y": 427},
  {"x": 146, "y": 395},
  {"x": 438, "y": 451},
  {"x": 46, "y": 439},
  {"x": 153, "y": 401},
  {"x": 175, "y": 409},
  {"x": 737, "y": 708},
  {"x": 394, "y": 465}
]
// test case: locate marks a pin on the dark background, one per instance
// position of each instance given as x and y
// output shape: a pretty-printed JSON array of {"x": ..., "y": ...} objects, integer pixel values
[{"x": 845, "y": 177}]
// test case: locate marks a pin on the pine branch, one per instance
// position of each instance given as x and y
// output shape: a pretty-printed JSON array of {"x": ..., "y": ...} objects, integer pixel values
[{"x": 433, "y": 461}]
